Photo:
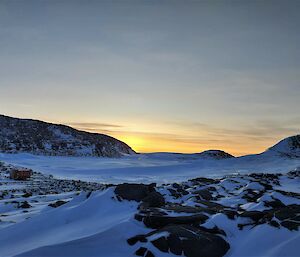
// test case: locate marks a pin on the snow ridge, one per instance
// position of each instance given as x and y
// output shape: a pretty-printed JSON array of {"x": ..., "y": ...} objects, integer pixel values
[{"x": 289, "y": 147}]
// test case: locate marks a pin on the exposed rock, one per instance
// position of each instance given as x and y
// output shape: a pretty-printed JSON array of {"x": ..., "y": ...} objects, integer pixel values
[
  {"x": 274, "y": 223},
  {"x": 38, "y": 137},
  {"x": 291, "y": 225},
  {"x": 190, "y": 241},
  {"x": 25, "y": 205},
  {"x": 137, "y": 238},
  {"x": 274, "y": 204},
  {"x": 204, "y": 181},
  {"x": 149, "y": 254},
  {"x": 204, "y": 194},
  {"x": 27, "y": 194},
  {"x": 288, "y": 212},
  {"x": 254, "y": 215},
  {"x": 155, "y": 221},
  {"x": 136, "y": 192},
  {"x": 57, "y": 203},
  {"x": 161, "y": 243},
  {"x": 141, "y": 251},
  {"x": 154, "y": 199}
]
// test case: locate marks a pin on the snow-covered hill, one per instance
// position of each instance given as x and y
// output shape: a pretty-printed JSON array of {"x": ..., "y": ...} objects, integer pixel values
[
  {"x": 289, "y": 147},
  {"x": 38, "y": 137}
]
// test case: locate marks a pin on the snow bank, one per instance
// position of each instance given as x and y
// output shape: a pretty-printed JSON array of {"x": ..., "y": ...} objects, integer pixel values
[{"x": 80, "y": 218}]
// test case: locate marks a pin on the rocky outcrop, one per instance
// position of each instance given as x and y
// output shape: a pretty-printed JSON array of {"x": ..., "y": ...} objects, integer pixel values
[
  {"x": 182, "y": 225},
  {"x": 215, "y": 154},
  {"x": 183, "y": 240},
  {"x": 140, "y": 193}
]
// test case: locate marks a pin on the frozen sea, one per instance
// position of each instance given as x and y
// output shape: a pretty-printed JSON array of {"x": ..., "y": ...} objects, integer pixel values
[{"x": 146, "y": 168}]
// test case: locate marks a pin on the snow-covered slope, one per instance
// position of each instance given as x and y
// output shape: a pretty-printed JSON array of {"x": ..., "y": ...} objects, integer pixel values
[
  {"x": 289, "y": 147},
  {"x": 233, "y": 216},
  {"x": 206, "y": 155},
  {"x": 158, "y": 168},
  {"x": 33, "y": 136}
]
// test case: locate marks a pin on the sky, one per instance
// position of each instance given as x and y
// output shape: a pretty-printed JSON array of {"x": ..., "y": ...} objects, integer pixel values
[{"x": 172, "y": 76}]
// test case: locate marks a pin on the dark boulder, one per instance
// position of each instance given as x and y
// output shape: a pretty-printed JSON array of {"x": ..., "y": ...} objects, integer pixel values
[
  {"x": 154, "y": 199},
  {"x": 161, "y": 244},
  {"x": 137, "y": 238},
  {"x": 27, "y": 194},
  {"x": 274, "y": 223},
  {"x": 25, "y": 205},
  {"x": 174, "y": 243},
  {"x": 141, "y": 251},
  {"x": 204, "y": 194},
  {"x": 157, "y": 221},
  {"x": 289, "y": 216},
  {"x": 140, "y": 193},
  {"x": 254, "y": 215},
  {"x": 291, "y": 225},
  {"x": 57, "y": 204},
  {"x": 231, "y": 214},
  {"x": 135, "y": 192},
  {"x": 275, "y": 203},
  {"x": 149, "y": 254},
  {"x": 191, "y": 241},
  {"x": 289, "y": 212}
]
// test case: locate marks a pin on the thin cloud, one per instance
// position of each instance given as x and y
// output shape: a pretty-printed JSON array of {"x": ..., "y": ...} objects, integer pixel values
[{"x": 91, "y": 125}]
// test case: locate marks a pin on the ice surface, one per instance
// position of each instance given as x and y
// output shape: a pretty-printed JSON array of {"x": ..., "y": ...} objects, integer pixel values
[{"x": 159, "y": 168}]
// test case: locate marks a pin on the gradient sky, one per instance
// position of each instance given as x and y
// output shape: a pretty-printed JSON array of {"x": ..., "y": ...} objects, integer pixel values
[{"x": 181, "y": 76}]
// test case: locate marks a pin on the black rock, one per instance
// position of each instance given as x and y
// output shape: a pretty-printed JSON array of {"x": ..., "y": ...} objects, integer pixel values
[
  {"x": 274, "y": 223},
  {"x": 254, "y": 215},
  {"x": 174, "y": 243},
  {"x": 154, "y": 199},
  {"x": 231, "y": 214},
  {"x": 137, "y": 238},
  {"x": 149, "y": 254},
  {"x": 289, "y": 212},
  {"x": 27, "y": 194},
  {"x": 156, "y": 221},
  {"x": 57, "y": 204},
  {"x": 191, "y": 241},
  {"x": 161, "y": 243},
  {"x": 141, "y": 251},
  {"x": 204, "y": 194},
  {"x": 291, "y": 225},
  {"x": 25, "y": 205},
  {"x": 136, "y": 192},
  {"x": 274, "y": 204}
]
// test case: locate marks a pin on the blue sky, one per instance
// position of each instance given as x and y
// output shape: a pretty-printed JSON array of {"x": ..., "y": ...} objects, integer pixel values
[{"x": 161, "y": 75}]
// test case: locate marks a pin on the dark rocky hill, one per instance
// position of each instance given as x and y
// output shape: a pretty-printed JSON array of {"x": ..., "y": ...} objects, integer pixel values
[
  {"x": 215, "y": 154},
  {"x": 38, "y": 137}
]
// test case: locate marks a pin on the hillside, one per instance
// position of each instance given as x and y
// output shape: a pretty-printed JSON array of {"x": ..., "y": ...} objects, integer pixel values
[
  {"x": 215, "y": 154},
  {"x": 38, "y": 137},
  {"x": 288, "y": 147}
]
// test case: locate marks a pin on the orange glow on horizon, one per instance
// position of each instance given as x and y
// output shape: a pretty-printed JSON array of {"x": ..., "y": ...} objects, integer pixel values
[
  {"x": 149, "y": 144},
  {"x": 181, "y": 140}
]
